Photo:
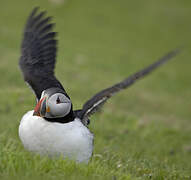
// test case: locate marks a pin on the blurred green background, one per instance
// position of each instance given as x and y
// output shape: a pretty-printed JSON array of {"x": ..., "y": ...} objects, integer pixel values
[{"x": 143, "y": 132}]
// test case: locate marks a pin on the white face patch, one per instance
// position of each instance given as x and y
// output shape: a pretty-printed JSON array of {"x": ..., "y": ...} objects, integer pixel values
[{"x": 59, "y": 106}]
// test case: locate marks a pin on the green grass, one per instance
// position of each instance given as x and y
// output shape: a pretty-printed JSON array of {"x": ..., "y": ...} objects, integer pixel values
[{"x": 143, "y": 132}]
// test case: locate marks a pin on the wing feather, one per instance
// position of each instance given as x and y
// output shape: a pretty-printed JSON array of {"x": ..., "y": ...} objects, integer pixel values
[
  {"x": 38, "y": 53},
  {"x": 97, "y": 101}
]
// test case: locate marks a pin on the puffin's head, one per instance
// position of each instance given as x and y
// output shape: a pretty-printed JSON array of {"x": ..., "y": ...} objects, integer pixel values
[{"x": 54, "y": 103}]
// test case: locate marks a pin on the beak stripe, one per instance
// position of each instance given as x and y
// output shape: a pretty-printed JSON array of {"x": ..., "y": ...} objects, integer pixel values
[
  {"x": 38, "y": 107},
  {"x": 43, "y": 108}
]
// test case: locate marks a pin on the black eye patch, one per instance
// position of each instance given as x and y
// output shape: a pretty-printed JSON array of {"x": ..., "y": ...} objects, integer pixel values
[{"x": 58, "y": 100}]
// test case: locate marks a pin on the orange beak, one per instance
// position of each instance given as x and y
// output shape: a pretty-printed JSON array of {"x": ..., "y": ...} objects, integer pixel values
[{"x": 40, "y": 108}]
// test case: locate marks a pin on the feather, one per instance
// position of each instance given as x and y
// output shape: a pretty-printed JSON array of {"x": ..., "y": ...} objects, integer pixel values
[
  {"x": 38, "y": 53},
  {"x": 99, "y": 99}
]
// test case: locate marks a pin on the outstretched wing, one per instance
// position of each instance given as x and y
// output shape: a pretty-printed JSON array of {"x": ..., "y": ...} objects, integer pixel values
[
  {"x": 38, "y": 53},
  {"x": 96, "y": 102}
]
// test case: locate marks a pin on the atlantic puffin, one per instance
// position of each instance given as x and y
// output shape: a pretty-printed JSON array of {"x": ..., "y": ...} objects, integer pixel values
[{"x": 53, "y": 127}]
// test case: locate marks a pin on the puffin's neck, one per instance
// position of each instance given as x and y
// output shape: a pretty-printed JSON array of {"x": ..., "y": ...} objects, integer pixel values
[{"x": 68, "y": 118}]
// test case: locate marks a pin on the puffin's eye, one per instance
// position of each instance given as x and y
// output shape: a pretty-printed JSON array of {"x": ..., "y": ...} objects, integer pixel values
[{"x": 58, "y": 100}]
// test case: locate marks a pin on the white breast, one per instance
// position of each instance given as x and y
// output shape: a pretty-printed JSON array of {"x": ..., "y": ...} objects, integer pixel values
[{"x": 72, "y": 140}]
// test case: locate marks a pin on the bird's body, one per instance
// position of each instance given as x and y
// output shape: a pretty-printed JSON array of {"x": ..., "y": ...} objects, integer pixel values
[
  {"x": 54, "y": 128},
  {"x": 72, "y": 140}
]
